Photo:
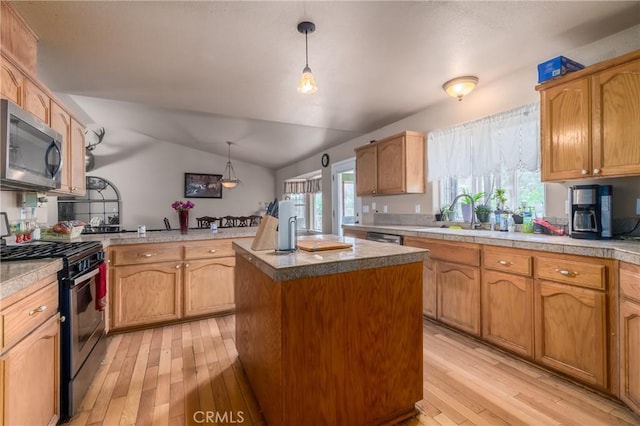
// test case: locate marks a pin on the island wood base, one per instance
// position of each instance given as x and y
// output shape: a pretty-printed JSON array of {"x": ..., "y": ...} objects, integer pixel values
[{"x": 340, "y": 349}]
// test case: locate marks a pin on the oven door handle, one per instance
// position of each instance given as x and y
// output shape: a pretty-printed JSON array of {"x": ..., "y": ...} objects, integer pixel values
[{"x": 86, "y": 276}]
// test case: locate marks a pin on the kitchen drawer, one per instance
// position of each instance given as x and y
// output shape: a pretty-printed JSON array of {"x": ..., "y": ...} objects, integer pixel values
[
  {"x": 464, "y": 253},
  {"x": 630, "y": 281},
  {"x": 581, "y": 273},
  {"x": 145, "y": 253},
  {"x": 510, "y": 261},
  {"x": 24, "y": 316},
  {"x": 208, "y": 249}
]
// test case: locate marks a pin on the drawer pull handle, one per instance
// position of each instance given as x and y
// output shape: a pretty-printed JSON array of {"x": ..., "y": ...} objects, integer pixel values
[
  {"x": 505, "y": 262},
  {"x": 213, "y": 251},
  {"x": 567, "y": 273},
  {"x": 147, "y": 255},
  {"x": 37, "y": 310},
  {"x": 62, "y": 318}
]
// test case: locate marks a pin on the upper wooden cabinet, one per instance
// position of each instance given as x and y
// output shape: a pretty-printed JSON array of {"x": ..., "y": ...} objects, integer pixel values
[
  {"x": 394, "y": 165},
  {"x": 76, "y": 160},
  {"x": 11, "y": 82},
  {"x": 61, "y": 123},
  {"x": 37, "y": 101},
  {"x": 589, "y": 122}
]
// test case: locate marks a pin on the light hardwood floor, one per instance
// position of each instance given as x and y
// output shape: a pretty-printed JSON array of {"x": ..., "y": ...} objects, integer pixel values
[{"x": 168, "y": 375}]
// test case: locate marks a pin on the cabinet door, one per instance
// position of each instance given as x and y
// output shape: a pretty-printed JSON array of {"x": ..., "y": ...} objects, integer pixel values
[
  {"x": 11, "y": 82},
  {"x": 366, "y": 171},
  {"x": 145, "y": 294},
  {"x": 391, "y": 167},
  {"x": 570, "y": 331},
  {"x": 566, "y": 131},
  {"x": 29, "y": 378},
  {"x": 78, "y": 181},
  {"x": 507, "y": 311},
  {"x": 429, "y": 289},
  {"x": 616, "y": 127},
  {"x": 208, "y": 286},
  {"x": 36, "y": 101},
  {"x": 354, "y": 233},
  {"x": 630, "y": 353},
  {"x": 458, "y": 288},
  {"x": 61, "y": 123}
]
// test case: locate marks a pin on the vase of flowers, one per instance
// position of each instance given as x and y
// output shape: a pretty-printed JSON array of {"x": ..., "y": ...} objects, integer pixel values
[{"x": 183, "y": 207}]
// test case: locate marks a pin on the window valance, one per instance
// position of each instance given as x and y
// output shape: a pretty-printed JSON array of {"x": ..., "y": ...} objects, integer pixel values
[
  {"x": 504, "y": 141},
  {"x": 306, "y": 186}
]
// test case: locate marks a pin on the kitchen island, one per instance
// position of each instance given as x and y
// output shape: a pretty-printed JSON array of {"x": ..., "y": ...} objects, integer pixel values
[{"x": 331, "y": 337}]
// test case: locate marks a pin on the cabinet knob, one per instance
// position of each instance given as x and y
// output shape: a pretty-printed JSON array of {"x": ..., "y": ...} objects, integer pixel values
[
  {"x": 177, "y": 266},
  {"x": 37, "y": 310},
  {"x": 567, "y": 273},
  {"x": 186, "y": 265},
  {"x": 213, "y": 251},
  {"x": 505, "y": 262},
  {"x": 75, "y": 188},
  {"x": 596, "y": 171},
  {"x": 62, "y": 318},
  {"x": 147, "y": 255},
  {"x": 583, "y": 172}
]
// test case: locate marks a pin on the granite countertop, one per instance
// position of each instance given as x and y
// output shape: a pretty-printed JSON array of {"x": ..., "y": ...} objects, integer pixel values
[
  {"x": 167, "y": 236},
  {"x": 300, "y": 264},
  {"x": 626, "y": 251},
  {"x": 15, "y": 276}
]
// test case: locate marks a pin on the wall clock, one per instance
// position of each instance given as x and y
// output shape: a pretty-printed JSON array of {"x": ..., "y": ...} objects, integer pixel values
[{"x": 325, "y": 160}]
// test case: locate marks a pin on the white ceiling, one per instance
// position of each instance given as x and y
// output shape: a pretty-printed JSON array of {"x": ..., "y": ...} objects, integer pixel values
[{"x": 201, "y": 73}]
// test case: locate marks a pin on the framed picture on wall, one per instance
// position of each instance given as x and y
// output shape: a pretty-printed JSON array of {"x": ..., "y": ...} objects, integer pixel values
[{"x": 200, "y": 185}]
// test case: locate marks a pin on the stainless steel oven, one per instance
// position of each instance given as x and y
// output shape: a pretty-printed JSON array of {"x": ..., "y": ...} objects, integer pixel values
[{"x": 83, "y": 345}]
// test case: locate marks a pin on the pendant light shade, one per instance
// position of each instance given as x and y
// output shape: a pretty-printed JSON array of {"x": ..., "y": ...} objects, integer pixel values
[
  {"x": 307, "y": 84},
  {"x": 229, "y": 178},
  {"x": 461, "y": 86}
]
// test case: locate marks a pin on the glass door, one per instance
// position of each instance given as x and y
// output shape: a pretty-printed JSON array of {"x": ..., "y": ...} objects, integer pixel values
[{"x": 345, "y": 204}]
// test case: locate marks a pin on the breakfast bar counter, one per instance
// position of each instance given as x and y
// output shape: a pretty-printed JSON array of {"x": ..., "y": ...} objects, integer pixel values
[{"x": 331, "y": 337}]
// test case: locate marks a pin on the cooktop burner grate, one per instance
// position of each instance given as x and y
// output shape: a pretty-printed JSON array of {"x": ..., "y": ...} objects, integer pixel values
[{"x": 44, "y": 250}]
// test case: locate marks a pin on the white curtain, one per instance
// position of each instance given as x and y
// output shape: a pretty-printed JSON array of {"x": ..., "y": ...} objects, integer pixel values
[{"x": 504, "y": 141}]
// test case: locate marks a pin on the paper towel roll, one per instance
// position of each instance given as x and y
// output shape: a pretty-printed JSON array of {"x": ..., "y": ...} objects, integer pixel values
[{"x": 286, "y": 211}]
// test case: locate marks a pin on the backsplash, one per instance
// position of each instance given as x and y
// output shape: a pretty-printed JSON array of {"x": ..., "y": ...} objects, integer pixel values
[{"x": 620, "y": 226}]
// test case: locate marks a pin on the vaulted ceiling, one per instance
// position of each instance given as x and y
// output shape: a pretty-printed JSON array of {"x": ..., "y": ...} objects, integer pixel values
[{"x": 200, "y": 73}]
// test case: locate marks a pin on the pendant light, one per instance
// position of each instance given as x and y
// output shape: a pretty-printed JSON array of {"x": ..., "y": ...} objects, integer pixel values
[
  {"x": 461, "y": 86},
  {"x": 307, "y": 84},
  {"x": 229, "y": 179}
]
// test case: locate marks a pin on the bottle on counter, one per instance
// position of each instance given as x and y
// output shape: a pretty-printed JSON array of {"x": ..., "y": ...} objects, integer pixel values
[{"x": 527, "y": 221}]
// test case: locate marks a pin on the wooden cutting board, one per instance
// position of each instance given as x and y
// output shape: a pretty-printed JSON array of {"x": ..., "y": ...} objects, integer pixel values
[{"x": 321, "y": 245}]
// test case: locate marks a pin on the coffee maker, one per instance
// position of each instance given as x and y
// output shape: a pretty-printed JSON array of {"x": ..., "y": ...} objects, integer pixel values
[{"x": 590, "y": 216}]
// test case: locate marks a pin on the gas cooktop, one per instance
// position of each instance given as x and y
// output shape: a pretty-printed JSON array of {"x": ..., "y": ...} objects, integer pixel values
[{"x": 44, "y": 250}]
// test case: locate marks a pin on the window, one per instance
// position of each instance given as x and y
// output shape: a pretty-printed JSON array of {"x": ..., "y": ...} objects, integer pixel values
[
  {"x": 499, "y": 151},
  {"x": 306, "y": 195}
]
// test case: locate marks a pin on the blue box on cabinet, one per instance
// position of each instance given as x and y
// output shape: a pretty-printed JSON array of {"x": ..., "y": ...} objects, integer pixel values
[{"x": 556, "y": 67}]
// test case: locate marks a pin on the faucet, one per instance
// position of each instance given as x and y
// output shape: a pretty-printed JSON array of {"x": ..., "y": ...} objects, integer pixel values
[{"x": 472, "y": 222}]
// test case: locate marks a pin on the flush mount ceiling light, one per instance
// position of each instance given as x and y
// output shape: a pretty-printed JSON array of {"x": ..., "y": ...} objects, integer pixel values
[
  {"x": 460, "y": 87},
  {"x": 307, "y": 84},
  {"x": 229, "y": 179}
]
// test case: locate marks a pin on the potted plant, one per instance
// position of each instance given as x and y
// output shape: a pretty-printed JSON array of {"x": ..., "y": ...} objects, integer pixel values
[
  {"x": 445, "y": 213},
  {"x": 466, "y": 203},
  {"x": 483, "y": 211},
  {"x": 501, "y": 200}
]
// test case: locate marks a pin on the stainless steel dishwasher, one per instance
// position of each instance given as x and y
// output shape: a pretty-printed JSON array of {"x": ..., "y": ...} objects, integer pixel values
[{"x": 384, "y": 238}]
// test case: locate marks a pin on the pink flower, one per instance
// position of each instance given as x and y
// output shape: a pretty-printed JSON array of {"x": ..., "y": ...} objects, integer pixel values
[{"x": 182, "y": 205}]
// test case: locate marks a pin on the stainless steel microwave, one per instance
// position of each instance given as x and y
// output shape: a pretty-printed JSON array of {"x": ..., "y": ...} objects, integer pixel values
[{"x": 31, "y": 155}]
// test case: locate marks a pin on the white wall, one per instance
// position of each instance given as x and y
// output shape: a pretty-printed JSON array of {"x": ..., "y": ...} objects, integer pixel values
[
  {"x": 509, "y": 92},
  {"x": 150, "y": 176}
]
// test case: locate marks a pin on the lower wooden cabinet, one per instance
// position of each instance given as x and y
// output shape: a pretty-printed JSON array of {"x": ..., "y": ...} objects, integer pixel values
[
  {"x": 459, "y": 296},
  {"x": 163, "y": 282},
  {"x": 208, "y": 286},
  {"x": 507, "y": 311},
  {"x": 354, "y": 233},
  {"x": 570, "y": 331},
  {"x": 629, "y": 335},
  {"x": 145, "y": 294},
  {"x": 30, "y": 378},
  {"x": 429, "y": 289}
]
